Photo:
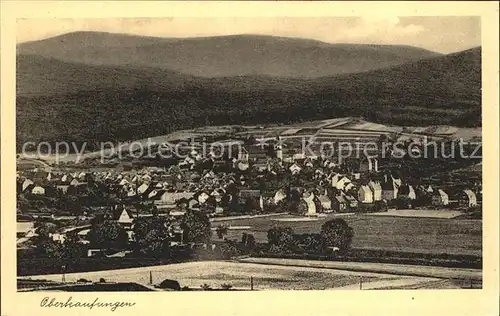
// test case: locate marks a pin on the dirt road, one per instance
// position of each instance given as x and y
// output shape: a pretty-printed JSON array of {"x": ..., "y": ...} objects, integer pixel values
[{"x": 240, "y": 275}]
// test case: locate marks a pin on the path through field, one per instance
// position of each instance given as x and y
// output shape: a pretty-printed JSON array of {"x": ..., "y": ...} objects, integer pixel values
[{"x": 238, "y": 275}]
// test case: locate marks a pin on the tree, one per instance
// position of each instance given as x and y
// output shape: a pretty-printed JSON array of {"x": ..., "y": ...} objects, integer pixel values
[
  {"x": 196, "y": 227},
  {"x": 227, "y": 250},
  {"x": 152, "y": 235},
  {"x": 281, "y": 240},
  {"x": 71, "y": 204},
  {"x": 48, "y": 248},
  {"x": 336, "y": 233},
  {"x": 248, "y": 240},
  {"x": 221, "y": 231},
  {"x": 251, "y": 206},
  {"x": 72, "y": 249},
  {"x": 108, "y": 234}
]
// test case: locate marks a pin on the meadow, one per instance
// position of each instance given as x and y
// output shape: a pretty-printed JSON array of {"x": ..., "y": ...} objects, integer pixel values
[{"x": 408, "y": 234}]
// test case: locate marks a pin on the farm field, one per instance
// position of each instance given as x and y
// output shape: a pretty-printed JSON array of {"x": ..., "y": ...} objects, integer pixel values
[
  {"x": 24, "y": 227},
  {"x": 265, "y": 277},
  {"x": 420, "y": 213},
  {"x": 409, "y": 234},
  {"x": 349, "y": 129}
]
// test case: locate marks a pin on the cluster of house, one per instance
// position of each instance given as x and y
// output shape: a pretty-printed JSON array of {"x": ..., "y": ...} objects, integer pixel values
[
  {"x": 39, "y": 182},
  {"x": 327, "y": 186},
  {"x": 330, "y": 186}
]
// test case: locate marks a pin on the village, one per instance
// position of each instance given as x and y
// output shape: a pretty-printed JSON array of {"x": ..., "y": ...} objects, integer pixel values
[{"x": 253, "y": 182}]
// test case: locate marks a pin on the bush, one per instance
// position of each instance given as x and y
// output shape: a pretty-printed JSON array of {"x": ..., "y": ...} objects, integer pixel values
[
  {"x": 281, "y": 240},
  {"x": 221, "y": 231},
  {"x": 226, "y": 286},
  {"x": 205, "y": 287},
  {"x": 473, "y": 209},
  {"x": 102, "y": 280},
  {"x": 83, "y": 280},
  {"x": 380, "y": 206},
  {"x": 227, "y": 250},
  {"x": 402, "y": 203},
  {"x": 248, "y": 240},
  {"x": 170, "y": 284}
]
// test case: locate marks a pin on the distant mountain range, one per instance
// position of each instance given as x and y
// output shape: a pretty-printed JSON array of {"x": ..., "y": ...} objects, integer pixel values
[
  {"x": 67, "y": 89},
  {"x": 223, "y": 56}
]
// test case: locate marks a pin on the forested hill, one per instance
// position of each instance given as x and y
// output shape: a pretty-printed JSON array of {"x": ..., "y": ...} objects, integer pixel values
[{"x": 74, "y": 101}]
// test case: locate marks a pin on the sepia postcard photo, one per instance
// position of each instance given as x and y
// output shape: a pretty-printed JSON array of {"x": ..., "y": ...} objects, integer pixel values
[{"x": 274, "y": 153}]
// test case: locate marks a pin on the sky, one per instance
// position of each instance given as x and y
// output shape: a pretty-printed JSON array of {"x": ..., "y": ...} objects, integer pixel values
[{"x": 441, "y": 34}]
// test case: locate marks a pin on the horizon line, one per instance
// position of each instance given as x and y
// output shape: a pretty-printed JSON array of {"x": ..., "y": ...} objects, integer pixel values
[{"x": 238, "y": 34}]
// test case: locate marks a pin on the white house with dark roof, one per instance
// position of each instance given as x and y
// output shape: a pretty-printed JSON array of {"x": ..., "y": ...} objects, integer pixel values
[
  {"x": 65, "y": 178},
  {"x": 376, "y": 189},
  {"x": 38, "y": 190},
  {"x": 334, "y": 179},
  {"x": 348, "y": 186},
  {"x": 203, "y": 197},
  {"x": 365, "y": 194},
  {"x": 342, "y": 183},
  {"x": 26, "y": 184},
  {"x": 295, "y": 168}
]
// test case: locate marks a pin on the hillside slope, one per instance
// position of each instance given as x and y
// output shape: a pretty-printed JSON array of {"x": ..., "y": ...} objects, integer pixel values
[
  {"x": 69, "y": 101},
  {"x": 236, "y": 55}
]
